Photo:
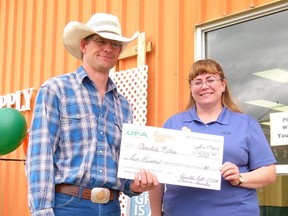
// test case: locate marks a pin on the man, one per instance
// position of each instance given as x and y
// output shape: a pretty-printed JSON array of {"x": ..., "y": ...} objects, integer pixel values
[{"x": 75, "y": 136}]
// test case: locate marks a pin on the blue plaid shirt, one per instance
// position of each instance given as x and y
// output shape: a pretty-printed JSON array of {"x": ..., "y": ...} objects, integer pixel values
[{"x": 75, "y": 138}]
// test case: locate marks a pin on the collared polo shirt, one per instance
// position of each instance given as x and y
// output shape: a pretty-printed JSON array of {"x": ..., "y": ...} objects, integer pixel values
[{"x": 244, "y": 145}]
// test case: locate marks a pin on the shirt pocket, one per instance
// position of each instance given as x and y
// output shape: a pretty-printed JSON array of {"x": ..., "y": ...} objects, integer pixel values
[{"x": 76, "y": 125}]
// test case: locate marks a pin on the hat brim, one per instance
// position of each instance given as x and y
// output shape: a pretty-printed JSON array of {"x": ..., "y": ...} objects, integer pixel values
[{"x": 75, "y": 31}]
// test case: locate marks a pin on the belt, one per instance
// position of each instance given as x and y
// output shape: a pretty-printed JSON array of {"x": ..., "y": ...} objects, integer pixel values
[{"x": 73, "y": 190}]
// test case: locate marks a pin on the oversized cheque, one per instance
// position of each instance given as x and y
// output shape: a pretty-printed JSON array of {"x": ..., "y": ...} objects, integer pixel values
[{"x": 176, "y": 157}]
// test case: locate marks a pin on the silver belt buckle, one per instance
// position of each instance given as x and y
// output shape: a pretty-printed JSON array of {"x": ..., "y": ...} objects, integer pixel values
[{"x": 100, "y": 195}]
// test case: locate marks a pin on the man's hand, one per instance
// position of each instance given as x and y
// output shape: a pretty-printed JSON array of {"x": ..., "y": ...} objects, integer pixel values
[{"x": 144, "y": 181}]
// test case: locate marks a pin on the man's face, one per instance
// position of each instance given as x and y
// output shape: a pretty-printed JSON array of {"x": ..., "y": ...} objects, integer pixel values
[{"x": 99, "y": 53}]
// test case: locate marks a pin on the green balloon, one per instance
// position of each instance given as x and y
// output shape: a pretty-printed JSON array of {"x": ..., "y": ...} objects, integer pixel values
[{"x": 13, "y": 129}]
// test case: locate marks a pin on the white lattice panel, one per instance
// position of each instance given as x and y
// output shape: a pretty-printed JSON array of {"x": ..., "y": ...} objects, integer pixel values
[{"x": 132, "y": 84}]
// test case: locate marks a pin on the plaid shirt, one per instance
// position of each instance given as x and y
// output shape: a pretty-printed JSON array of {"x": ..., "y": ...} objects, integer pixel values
[{"x": 75, "y": 138}]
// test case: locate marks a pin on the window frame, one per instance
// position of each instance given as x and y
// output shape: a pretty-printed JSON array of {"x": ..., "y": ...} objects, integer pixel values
[{"x": 201, "y": 29}]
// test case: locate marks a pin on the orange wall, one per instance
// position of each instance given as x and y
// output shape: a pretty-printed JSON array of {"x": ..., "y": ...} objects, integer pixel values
[{"x": 31, "y": 51}]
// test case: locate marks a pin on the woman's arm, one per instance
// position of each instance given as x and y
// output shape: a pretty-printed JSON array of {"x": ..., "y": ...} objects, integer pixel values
[
  {"x": 156, "y": 200},
  {"x": 260, "y": 177},
  {"x": 254, "y": 179}
]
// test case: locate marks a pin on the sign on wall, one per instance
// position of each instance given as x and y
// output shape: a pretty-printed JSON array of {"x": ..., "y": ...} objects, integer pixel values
[
  {"x": 20, "y": 100},
  {"x": 279, "y": 128}
]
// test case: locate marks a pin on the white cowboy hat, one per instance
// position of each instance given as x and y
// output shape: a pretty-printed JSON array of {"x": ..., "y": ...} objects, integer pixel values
[{"x": 105, "y": 25}]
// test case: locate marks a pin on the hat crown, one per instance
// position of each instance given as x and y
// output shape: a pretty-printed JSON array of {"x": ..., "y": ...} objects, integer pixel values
[
  {"x": 101, "y": 22},
  {"x": 105, "y": 25}
]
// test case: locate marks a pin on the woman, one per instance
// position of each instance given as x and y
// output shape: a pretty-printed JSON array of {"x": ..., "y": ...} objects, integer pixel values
[{"x": 248, "y": 162}]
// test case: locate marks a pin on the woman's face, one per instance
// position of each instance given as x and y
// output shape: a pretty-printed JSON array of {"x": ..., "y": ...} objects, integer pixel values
[{"x": 207, "y": 90}]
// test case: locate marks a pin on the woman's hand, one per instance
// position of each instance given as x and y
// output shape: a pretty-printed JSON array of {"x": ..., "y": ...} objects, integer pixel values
[
  {"x": 254, "y": 179},
  {"x": 231, "y": 173}
]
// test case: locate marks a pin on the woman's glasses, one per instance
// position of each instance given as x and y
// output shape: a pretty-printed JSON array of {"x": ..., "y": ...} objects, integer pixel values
[{"x": 209, "y": 82}]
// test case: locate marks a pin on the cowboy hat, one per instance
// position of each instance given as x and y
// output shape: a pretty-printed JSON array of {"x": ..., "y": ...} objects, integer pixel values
[{"x": 105, "y": 25}]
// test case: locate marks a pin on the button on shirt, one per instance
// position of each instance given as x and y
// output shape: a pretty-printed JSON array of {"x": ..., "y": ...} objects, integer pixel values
[{"x": 75, "y": 138}]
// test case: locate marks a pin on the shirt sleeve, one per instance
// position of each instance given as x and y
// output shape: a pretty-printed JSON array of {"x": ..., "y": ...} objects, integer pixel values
[
  {"x": 127, "y": 191},
  {"x": 43, "y": 137},
  {"x": 127, "y": 182},
  {"x": 260, "y": 150},
  {"x": 45, "y": 212}
]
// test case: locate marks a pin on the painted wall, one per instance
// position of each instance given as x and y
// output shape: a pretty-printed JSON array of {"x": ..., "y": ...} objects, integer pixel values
[{"x": 31, "y": 51}]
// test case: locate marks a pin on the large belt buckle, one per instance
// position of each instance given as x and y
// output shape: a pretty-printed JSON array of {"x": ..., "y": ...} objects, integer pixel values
[{"x": 100, "y": 195}]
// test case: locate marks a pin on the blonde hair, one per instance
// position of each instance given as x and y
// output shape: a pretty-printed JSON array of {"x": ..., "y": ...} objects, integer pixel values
[{"x": 209, "y": 66}]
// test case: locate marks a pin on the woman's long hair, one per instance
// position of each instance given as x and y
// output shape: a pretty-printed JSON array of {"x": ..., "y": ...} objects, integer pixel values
[{"x": 209, "y": 66}]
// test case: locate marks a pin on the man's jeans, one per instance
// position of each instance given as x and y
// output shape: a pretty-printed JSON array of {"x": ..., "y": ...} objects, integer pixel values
[{"x": 66, "y": 205}]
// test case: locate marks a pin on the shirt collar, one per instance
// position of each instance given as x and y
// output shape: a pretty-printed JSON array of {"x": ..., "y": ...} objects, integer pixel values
[
  {"x": 82, "y": 76},
  {"x": 223, "y": 118}
]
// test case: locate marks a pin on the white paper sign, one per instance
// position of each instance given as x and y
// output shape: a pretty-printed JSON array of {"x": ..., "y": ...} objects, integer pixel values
[
  {"x": 279, "y": 128},
  {"x": 175, "y": 157}
]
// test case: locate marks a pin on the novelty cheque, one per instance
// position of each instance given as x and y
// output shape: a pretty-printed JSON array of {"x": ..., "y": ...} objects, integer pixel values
[{"x": 176, "y": 157}]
